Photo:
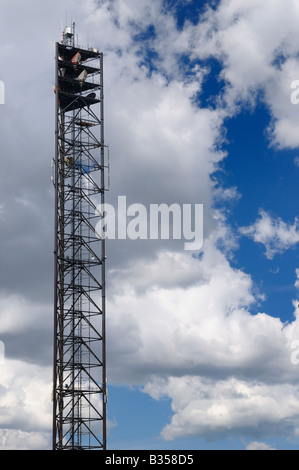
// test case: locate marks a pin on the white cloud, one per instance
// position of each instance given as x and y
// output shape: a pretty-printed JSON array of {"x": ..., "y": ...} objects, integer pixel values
[
  {"x": 259, "y": 446},
  {"x": 25, "y": 403},
  {"x": 202, "y": 325},
  {"x": 203, "y": 407},
  {"x": 275, "y": 234},
  {"x": 193, "y": 339},
  {"x": 17, "y": 314},
  {"x": 256, "y": 42},
  {"x": 11, "y": 439},
  {"x": 283, "y": 129}
]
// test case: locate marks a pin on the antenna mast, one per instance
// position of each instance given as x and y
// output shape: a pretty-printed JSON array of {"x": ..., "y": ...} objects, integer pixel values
[{"x": 79, "y": 369}]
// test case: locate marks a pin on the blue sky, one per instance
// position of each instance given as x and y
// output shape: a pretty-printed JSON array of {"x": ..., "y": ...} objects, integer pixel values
[
  {"x": 266, "y": 178},
  {"x": 198, "y": 111}
]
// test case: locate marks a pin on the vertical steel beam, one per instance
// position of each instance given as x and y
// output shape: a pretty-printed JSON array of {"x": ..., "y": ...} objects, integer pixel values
[
  {"x": 54, "y": 394},
  {"x": 104, "y": 380}
]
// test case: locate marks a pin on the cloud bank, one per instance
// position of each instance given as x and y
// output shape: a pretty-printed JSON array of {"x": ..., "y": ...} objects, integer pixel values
[{"x": 179, "y": 325}]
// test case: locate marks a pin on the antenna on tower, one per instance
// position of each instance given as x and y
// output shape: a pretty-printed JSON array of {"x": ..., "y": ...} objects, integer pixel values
[{"x": 73, "y": 30}]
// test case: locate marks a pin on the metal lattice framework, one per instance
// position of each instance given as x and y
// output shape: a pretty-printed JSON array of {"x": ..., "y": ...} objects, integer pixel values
[{"x": 79, "y": 391}]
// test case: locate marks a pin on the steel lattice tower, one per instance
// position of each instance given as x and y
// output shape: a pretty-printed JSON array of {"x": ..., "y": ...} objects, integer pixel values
[{"x": 79, "y": 382}]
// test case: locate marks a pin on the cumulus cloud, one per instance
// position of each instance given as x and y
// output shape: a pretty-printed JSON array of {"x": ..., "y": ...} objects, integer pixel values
[
  {"x": 203, "y": 407},
  {"x": 25, "y": 404},
  {"x": 255, "y": 42},
  {"x": 275, "y": 234},
  {"x": 188, "y": 334},
  {"x": 259, "y": 446},
  {"x": 223, "y": 368},
  {"x": 11, "y": 439}
]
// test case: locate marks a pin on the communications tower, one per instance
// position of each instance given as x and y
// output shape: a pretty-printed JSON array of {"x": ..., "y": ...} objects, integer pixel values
[{"x": 79, "y": 379}]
